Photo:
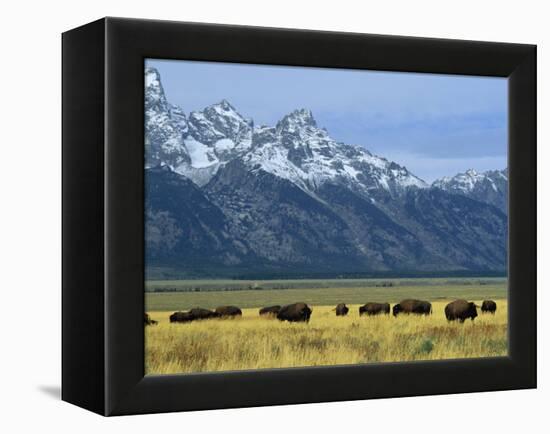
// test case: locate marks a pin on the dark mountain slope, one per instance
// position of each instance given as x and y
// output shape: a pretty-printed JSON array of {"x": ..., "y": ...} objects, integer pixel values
[
  {"x": 183, "y": 228},
  {"x": 282, "y": 223},
  {"x": 469, "y": 233}
]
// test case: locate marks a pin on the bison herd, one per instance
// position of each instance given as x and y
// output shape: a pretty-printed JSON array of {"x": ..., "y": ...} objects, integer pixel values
[
  {"x": 297, "y": 312},
  {"x": 200, "y": 313},
  {"x": 458, "y": 310}
]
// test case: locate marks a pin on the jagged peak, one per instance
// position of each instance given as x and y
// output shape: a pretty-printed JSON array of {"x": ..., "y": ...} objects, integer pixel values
[
  {"x": 222, "y": 107},
  {"x": 154, "y": 92},
  {"x": 302, "y": 112},
  {"x": 295, "y": 148},
  {"x": 151, "y": 69},
  {"x": 226, "y": 105},
  {"x": 223, "y": 110},
  {"x": 300, "y": 117},
  {"x": 467, "y": 181},
  {"x": 152, "y": 77}
]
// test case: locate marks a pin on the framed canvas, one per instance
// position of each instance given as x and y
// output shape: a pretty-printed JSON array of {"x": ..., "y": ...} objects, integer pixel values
[{"x": 256, "y": 216}]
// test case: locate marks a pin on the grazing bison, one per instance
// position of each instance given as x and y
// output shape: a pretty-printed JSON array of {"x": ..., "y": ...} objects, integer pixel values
[
  {"x": 460, "y": 310},
  {"x": 181, "y": 317},
  {"x": 270, "y": 310},
  {"x": 149, "y": 321},
  {"x": 297, "y": 312},
  {"x": 228, "y": 311},
  {"x": 200, "y": 313},
  {"x": 374, "y": 309},
  {"x": 418, "y": 307},
  {"x": 341, "y": 309},
  {"x": 194, "y": 314},
  {"x": 488, "y": 306}
]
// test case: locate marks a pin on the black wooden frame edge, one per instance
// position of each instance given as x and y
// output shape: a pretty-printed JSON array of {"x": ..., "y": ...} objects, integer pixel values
[
  {"x": 83, "y": 350},
  {"x": 128, "y": 42}
]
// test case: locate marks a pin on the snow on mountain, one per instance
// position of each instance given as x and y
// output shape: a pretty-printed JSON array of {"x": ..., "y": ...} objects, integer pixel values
[
  {"x": 298, "y": 150},
  {"x": 225, "y": 119},
  {"x": 490, "y": 186},
  {"x": 295, "y": 149},
  {"x": 193, "y": 145},
  {"x": 471, "y": 180},
  {"x": 165, "y": 126},
  {"x": 178, "y": 116},
  {"x": 216, "y": 135},
  {"x": 237, "y": 197}
]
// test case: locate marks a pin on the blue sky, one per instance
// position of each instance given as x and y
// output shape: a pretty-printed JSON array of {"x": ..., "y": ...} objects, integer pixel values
[{"x": 435, "y": 125}]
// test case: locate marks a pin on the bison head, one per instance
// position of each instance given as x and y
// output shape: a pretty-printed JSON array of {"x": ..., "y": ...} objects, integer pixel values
[
  {"x": 473, "y": 310},
  {"x": 396, "y": 309}
]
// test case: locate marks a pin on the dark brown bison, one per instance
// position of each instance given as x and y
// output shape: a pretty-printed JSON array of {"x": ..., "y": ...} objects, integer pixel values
[
  {"x": 488, "y": 306},
  {"x": 374, "y": 309},
  {"x": 270, "y": 310},
  {"x": 297, "y": 312},
  {"x": 460, "y": 310},
  {"x": 200, "y": 313},
  {"x": 228, "y": 311},
  {"x": 148, "y": 320},
  {"x": 181, "y": 317},
  {"x": 418, "y": 307},
  {"x": 194, "y": 314},
  {"x": 341, "y": 309}
]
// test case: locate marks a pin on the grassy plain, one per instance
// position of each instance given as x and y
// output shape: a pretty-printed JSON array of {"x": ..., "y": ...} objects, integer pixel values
[
  {"x": 252, "y": 342},
  {"x": 324, "y": 293}
]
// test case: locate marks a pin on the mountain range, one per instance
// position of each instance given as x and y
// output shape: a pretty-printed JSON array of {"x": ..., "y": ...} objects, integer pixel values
[{"x": 225, "y": 197}]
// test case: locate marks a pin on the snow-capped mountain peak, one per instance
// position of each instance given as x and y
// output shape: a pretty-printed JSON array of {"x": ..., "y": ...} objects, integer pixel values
[
  {"x": 221, "y": 127},
  {"x": 165, "y": 125},
  {"x": 224, "y": 107},
  {"x": 467, "y": 181},
  {"x": 153, "y": 84},
  {"x": 490, "y": 186},
  {"x": 297, "y": 119},
  {"x": 296, "y": 149}
]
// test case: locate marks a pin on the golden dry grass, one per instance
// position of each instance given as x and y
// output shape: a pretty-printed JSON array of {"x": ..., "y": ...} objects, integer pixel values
[{"x": 254, "y": 342}]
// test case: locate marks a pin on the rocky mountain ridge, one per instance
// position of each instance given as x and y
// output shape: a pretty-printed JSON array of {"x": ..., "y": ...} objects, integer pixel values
[
  {"x": 224, "y": 196},
  {"x": 490, "y": 186}
]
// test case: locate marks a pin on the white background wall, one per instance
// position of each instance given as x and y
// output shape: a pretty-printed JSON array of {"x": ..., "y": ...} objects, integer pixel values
[{"x": 30, "y": 252}]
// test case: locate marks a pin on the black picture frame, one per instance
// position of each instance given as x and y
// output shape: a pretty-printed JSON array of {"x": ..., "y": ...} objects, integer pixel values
[{"x": 103, "y": 222}]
